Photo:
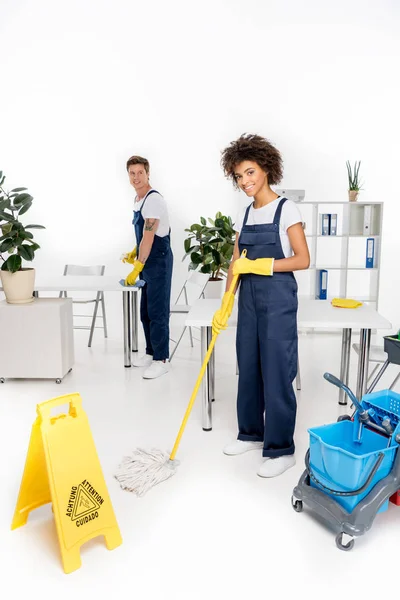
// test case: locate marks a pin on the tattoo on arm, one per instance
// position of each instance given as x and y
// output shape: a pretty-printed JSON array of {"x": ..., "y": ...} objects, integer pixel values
[{"x": 149, "y": 224}]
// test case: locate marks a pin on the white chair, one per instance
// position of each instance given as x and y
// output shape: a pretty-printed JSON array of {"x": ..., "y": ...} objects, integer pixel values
[
  {"x": 195, "y": 284},
  {"x": 376, "y": 355},
  {"x": 77, "y": 270}
]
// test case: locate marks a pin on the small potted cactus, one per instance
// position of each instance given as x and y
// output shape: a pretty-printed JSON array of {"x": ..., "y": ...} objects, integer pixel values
[{"x": 354, "y": 182}]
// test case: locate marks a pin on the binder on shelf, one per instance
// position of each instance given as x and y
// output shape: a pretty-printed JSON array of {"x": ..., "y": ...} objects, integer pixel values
[
  {"x": 322, "y": 284},
  {"x": 325, "y": 224},
  {"x": 367, "y": 227},
  {"x": 333, "y": 224},
  {"x": 369, "y": 260}
]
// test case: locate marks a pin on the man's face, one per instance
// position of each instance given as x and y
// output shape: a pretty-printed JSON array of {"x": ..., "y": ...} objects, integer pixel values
[
  {"x": 250, "y": 177},
  {"x": 138, "y": 177}
]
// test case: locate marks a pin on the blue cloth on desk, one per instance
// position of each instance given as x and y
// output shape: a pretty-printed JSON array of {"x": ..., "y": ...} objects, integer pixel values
[{"x": 139, "y": 283}]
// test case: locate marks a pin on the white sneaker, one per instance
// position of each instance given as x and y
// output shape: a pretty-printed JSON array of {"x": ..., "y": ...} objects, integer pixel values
[
  {"x": 240, "y": 446},
  {"x": 156, "y": 369},
  {"x": 143, "y": 361},
  {"x": 272, "y": 467}
]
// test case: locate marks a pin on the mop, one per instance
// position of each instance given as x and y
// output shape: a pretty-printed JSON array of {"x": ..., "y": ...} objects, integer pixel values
[{"x": 142, "y": 470}]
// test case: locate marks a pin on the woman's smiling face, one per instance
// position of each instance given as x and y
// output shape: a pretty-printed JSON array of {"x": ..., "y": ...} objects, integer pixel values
[{"x": 250, "y": 177}]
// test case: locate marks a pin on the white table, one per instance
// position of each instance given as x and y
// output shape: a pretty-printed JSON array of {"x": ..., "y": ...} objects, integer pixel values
[
  {"x": 104, "y": 283},
  {"x": 318, "y": 314}
]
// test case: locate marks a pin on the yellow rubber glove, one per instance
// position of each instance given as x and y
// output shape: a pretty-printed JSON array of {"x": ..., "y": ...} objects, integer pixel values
[
  {"x": 130, "y": 256},
  {"x": 221, "y": 316},
  {"x": 345, "y": 303},
  {"x": 259, "y": 266},
  {"x": 133, "y": 275}
]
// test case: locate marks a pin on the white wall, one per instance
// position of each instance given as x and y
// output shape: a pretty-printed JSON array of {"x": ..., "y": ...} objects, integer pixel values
[{"x": 85, "y": 84}]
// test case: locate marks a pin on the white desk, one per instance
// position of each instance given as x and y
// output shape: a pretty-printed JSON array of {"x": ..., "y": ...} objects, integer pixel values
[
  {"x": 319, "y": 314},
  {"x": 104, "y": 283}
]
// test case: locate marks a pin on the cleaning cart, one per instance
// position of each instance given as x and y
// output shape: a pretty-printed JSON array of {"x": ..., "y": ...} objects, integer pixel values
[{"x": 353, "y": 465}]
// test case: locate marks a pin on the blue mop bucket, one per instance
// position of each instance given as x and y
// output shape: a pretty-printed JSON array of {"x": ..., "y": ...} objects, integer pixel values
[{"x": 342, "y": 464}]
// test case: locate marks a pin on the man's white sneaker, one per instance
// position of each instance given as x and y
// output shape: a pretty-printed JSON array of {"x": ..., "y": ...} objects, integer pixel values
[
  {"x": 272, "y": 467},
  {"x": 156, "y": 369},
  {"x": 240, "y": 446},
  {"x": 143, "y": 361}
]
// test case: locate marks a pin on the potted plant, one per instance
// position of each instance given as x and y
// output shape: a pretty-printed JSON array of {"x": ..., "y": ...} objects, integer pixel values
[
  {"x": 354, "y": 182},
  {"x": 210, "y": 249},
  {"x": 16, "y": 241}
]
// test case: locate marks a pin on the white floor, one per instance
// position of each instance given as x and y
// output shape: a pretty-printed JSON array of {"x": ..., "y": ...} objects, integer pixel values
[{"x": 215, "y": 529}]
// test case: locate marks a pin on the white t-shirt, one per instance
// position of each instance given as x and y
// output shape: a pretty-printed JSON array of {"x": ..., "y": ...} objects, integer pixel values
[
  {"x": 155, "y": 208},
  {"x": 290, "y": 215}
]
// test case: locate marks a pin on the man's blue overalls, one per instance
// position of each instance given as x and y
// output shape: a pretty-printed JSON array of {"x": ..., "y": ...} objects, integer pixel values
[
  {"x": 266, "y": 344},
  {"x": 156, "y": 294}
]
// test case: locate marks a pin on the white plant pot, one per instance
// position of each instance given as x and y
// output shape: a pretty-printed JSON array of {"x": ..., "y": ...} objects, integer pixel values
[
  {"x": 18, "y": 287},
  {"x": 214, "y": 289}
]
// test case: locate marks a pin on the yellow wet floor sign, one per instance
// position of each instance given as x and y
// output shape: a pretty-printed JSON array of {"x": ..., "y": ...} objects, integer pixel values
[{"x": 62, "y": 467}]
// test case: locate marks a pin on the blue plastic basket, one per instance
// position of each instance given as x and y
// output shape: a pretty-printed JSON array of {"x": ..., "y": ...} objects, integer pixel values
[
  {"x": 385, "y": 404},
  {"x": 342, "y": 464}
]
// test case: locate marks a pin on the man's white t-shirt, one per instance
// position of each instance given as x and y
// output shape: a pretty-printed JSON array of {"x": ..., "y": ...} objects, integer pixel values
[
  {"x": 290, "y": 215},
  {"x": 155, "y": 208}
]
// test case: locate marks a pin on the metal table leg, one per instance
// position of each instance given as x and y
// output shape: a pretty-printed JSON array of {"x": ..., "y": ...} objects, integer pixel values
[
  {"x": 298, "y": 376},
  {"x": 345, "y": 363},
  {"x": 206, "y": 333},
  {"x": 363, "y": 360},
  {"x": 126, "y": 300},
  {"x": 134, "y": 322}
]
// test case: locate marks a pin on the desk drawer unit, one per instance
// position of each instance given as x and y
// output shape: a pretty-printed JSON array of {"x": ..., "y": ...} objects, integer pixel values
[{"x": 36, "y": 339}]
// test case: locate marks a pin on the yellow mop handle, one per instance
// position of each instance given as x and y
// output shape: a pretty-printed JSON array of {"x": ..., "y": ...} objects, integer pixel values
[{"x": 200, "y": 377}]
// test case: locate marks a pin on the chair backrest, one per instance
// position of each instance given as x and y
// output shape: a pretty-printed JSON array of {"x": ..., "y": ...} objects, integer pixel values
[
  {"x": 83, "y": 270},
  {"x": 198, "y": 278},
  {"x": 194, "y": 286}
]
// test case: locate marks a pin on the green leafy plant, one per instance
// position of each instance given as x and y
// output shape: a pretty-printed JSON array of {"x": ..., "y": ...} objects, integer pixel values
[
  {"x": 210, "y": 248},
  {"x": 354, "y": 182},
  {"x": 16, "y": 239}
]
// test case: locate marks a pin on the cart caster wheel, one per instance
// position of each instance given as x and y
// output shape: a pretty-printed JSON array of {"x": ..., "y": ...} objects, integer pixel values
[
  {"x": 2, "y": 380},
  {"x": 297, "y": 505},
  {"x": 58, "y": 380},
  {"x": 340, "y": 545},
  {"x": 344, "y": 418}
]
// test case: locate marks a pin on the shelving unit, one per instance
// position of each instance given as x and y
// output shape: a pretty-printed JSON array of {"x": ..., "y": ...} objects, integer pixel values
[{"x": 342, "y": 255}]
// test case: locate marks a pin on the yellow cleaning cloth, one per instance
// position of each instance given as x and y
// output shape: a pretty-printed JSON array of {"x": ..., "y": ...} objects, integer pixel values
[{"x": 345, "y": 303}]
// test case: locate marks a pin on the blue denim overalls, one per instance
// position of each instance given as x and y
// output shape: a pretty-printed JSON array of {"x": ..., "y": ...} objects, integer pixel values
[
  {"x": 156, "y": 294},
  {"x": 266, "y": 344}
]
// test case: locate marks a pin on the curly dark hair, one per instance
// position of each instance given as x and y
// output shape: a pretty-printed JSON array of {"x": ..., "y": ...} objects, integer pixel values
[{"x": 257, "y": 149}]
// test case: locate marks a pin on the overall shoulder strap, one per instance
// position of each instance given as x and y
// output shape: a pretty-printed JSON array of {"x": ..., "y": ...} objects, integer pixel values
[
  {"x": 246, "y": 215},
  {"x": 146, "y": 196},
  {"x": 277, "y": 217}
]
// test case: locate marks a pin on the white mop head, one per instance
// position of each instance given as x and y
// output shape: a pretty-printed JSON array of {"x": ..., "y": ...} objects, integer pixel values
[{"x": 143, "y": 470}]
